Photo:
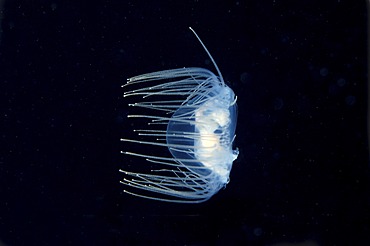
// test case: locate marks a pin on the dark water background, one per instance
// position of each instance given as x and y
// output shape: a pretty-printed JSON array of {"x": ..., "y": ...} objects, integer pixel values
[{"x": 299, "y": 69}]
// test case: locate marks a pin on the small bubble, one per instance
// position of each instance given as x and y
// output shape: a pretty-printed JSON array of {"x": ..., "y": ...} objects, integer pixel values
[
  {"x": 257, "y": 231},
  {"x": 324, "y": 71},
  {"x": 264, "y": 51},
  {"x": 245, "y": 77},
  {"x": 278, "y": 103},
  {"x": 341, "y": 82},
  {"x": 350, "y": 100}
]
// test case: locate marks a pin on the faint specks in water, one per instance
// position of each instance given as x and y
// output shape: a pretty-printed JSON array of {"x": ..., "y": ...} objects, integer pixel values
[
  {"x": 53, "y": 6},
  {"x": 285, "y": 39},
  {"x": 252, "y": 233},
  {"x": 336, "y": 88},
  {"x": 276, "y": 155}
]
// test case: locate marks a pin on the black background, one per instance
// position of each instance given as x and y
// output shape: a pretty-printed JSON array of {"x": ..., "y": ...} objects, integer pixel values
[{"x": 299, "y": 69}]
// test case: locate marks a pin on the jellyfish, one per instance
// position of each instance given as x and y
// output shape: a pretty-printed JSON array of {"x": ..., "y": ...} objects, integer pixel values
[{"x": 191, "y": 117}]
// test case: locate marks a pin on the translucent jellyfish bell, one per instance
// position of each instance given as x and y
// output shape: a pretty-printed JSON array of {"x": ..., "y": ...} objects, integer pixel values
[{"x": 191, "y": 114}]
